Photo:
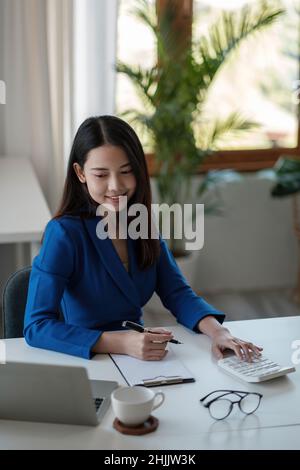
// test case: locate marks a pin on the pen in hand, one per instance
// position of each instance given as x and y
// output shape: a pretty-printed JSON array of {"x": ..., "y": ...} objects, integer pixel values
[{"x": 140, "y": 329}]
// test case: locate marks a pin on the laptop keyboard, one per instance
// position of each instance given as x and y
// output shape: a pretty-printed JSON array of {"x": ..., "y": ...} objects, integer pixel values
[{"x": 98, "y": 402}]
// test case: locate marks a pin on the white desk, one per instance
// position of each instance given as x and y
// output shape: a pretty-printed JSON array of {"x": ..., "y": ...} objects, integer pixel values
[
  {"x": 23, "y": 210},
  {"x": 184, "y": 423}
]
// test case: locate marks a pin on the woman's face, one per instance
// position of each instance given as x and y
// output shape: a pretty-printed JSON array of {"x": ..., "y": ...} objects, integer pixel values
[{"x": 108, "y": 175}]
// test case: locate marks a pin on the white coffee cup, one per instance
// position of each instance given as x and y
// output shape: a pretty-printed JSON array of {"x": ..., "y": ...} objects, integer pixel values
[{"x": 133, "y": 405}]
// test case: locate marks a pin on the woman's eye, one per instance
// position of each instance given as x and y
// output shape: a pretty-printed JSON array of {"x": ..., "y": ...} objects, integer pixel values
[{"x": 122, "y": 172}]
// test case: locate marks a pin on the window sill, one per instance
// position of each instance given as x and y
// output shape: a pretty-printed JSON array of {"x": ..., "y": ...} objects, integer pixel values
[{"x": 243, "y": 161}]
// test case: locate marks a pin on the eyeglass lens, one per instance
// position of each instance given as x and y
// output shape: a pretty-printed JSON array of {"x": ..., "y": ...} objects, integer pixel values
[
  {"x": 221, "y": 408},
  {"x": 249, "y": 403}
]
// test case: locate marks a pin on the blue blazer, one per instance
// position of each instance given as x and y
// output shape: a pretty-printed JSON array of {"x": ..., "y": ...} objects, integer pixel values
[{"x": 84, "y": 277}]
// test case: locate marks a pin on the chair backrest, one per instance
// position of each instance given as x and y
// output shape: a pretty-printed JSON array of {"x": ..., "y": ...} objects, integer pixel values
[{"x": 14, "y": 303}]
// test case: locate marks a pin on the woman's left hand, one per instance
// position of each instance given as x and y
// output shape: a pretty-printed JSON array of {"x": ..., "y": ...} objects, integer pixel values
[{"x": 223, "y": 339}]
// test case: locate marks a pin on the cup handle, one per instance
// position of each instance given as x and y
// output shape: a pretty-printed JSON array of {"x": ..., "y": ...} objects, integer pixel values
[{"x": 162, "y": 399}]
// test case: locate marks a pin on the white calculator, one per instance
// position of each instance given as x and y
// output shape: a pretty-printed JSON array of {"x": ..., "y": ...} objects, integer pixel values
[{"x": 259, "y": 370}]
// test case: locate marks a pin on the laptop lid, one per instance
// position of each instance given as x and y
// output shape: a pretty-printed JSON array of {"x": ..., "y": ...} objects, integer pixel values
[{"x": 51, "y": 393}]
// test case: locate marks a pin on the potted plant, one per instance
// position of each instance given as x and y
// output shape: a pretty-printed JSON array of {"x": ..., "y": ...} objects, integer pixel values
[{"x": 173, "y": 93}]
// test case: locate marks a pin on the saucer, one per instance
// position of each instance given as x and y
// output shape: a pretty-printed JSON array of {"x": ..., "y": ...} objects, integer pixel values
[{"x": 148, "y": 426}]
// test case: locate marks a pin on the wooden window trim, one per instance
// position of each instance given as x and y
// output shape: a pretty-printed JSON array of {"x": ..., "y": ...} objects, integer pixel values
[{"x": 240, "y": 160}]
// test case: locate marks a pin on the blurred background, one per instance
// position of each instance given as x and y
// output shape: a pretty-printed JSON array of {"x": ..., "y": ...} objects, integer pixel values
[{"x": 228, "y": 69}]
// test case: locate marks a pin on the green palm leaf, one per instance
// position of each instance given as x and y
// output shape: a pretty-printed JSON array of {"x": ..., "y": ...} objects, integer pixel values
[
  {"x": 229, "y": 32},
  {"x": 213, "y": 133},
  {"x": 142, "y": 79}
]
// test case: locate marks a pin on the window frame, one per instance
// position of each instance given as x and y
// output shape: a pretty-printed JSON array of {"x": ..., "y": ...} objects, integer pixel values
[{"x": 243, "y": 160}]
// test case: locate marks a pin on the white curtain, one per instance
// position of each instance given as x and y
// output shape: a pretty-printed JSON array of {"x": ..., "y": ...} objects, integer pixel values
[
  {"x": 37, "y": 62},
  {"x": 95, "y": 32},
  {"x": 57, "y": 60}
]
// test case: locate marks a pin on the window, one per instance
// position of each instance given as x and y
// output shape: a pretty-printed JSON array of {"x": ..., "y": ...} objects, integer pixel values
[
  {"x": 266, "y": 92},
  {"x": 259, "y": 80},
  {"x": 135, "y": 47}
]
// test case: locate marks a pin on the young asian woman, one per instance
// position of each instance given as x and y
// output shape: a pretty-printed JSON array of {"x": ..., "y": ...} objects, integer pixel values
[{"x": 82, "y": 287}]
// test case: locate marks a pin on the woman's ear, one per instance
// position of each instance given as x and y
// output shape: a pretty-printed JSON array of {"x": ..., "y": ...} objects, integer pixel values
[{"x": 79, "y": 172}]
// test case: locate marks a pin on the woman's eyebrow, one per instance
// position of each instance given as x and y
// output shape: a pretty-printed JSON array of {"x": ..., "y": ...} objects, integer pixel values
[{"x": 122, "y": 166}]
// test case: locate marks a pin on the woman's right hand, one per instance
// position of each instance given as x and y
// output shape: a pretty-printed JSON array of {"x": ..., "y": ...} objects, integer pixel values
[{"x": 146, "y": 346}]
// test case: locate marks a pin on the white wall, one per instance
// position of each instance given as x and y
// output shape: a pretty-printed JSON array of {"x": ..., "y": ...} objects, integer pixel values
[{"x": 253, "y": 245}]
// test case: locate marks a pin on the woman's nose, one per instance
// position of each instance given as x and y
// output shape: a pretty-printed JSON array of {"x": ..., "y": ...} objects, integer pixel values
[{"x": 113, "y": 183}]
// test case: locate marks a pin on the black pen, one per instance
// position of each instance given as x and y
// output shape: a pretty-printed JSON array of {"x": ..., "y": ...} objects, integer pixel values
[{"x": 136, "y": 327}]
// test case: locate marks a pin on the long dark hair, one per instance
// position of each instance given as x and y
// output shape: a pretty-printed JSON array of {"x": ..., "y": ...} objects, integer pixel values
[{"x": 76, "y": 200}]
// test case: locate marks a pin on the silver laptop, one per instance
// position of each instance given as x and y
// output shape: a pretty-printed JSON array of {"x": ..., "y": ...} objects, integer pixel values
[{"x": 52, "y": 393}]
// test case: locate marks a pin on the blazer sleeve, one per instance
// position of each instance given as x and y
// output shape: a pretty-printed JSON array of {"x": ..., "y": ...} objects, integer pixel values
[
  {"x": 177, "y": 296},
  {"x": 51, "y": 271}
]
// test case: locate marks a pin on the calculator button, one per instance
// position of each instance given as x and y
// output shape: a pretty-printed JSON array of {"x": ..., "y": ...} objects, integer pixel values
[{"x": 261, "y": 368}]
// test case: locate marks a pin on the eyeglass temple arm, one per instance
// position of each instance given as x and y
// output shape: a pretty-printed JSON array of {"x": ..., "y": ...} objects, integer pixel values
[
  {"x": 217, "y": 391},
  {"x": 228, "y": 392}
]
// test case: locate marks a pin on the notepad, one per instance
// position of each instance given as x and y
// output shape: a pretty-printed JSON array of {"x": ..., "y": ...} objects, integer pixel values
[{"x": 168, "y": 371}]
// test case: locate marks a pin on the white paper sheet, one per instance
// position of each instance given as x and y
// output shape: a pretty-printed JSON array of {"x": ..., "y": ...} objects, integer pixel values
[{"x": 151, "y": 373}]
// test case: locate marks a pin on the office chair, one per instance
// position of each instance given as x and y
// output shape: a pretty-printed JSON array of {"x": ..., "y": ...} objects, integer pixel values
[{"x": 14, "y": 303}]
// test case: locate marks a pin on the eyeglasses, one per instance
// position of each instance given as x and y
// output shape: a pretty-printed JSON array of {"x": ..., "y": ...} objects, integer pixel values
[{"x": 220, "y": 407}]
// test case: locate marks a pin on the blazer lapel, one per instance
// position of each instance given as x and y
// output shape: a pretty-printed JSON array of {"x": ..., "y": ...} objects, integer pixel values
[{"x": 112, "y": 262}]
